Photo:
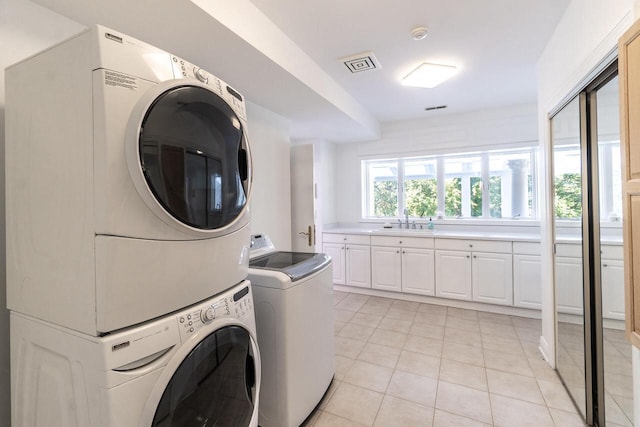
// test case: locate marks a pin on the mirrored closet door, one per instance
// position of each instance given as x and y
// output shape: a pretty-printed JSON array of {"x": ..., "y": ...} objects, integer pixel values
[{"x": 593, "y": 356}]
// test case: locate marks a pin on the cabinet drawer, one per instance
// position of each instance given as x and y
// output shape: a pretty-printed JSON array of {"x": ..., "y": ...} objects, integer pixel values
[
  {"x": 612, "y": 252},
  {"x": 473, "y": 245},
  {"x": 526, "y": 248},
  {"x": 569, "y": 250},
  {"x": 403, "y": 242},
  {"x": 358, "y": 239}
]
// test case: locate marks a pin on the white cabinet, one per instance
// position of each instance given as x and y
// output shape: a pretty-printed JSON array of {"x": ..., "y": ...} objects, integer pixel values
[
  {"x": 386, "y": 268},
  {"x": 358, "y": 266},
  {"x": 492, "y": 278},
  {"x": 453, "y": 274},
  {"x": 612, "y": 279},
  {"x": 402, "y": 264},
  {"x": 476, "y": 270},
  {"x": 568, "y": 278},
  {"x": 418, "y": 271},
  {"x": 527, "y": 275},
  {"x": 337, "y": 253},
  {"x": 351, "y": 258}
]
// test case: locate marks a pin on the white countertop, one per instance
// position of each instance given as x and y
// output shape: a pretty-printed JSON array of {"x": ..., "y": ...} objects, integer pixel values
[{"x": 446, "y": 234}]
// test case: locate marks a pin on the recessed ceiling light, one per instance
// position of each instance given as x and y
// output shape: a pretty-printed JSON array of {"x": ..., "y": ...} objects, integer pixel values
[{"x": 429, "y": 75}]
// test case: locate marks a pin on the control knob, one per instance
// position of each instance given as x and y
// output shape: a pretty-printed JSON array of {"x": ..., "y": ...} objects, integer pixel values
[
  {"x": 207, "y": 315},
  {"x": 201, "y": 74}
]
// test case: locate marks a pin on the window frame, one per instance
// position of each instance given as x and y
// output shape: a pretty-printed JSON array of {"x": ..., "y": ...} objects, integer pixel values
[{"x": 532, "y": 152}]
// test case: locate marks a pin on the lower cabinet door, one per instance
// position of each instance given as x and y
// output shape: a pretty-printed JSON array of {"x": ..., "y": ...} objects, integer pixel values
[
  {"x": 386, "y": 273},
  {"x": 358, "y": 261},
  {"x": 492, "y": 278},
  {"x": 569, "y": 288},
  {"x": 527, "y": 281},
  {"x": 613, "y": 289},
  {"x": 418, "y": 271},
  {"x": 453, "y": 274},
  {"x": 337, "y": 253}
]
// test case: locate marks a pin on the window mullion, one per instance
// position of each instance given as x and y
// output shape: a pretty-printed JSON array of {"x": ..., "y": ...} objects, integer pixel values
[
  {"x": 440, "y": 184},
  {"x": 485, "y": 175},
  {"x": 401, "y": 206}
]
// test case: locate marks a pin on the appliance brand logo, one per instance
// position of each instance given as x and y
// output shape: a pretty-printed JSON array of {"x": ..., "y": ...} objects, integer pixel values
[
  {"x": 120, "y": 346},
  {"x": 113, "y": 37}
]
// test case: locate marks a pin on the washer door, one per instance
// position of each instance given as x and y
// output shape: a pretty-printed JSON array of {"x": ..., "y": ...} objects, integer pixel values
[
  {"x": 193, "y": 153},
  {"x": 215, "y": 385}
]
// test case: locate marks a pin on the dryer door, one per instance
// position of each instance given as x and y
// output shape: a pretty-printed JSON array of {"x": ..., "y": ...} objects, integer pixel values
[
  {"x": 215, "y": 385},
  {"x": 193, "y": 152}
]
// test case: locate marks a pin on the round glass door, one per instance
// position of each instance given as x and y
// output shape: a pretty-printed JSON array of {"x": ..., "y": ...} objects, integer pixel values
[
  {"x": 193, "y": 153},
  {"x": 214, "y": 385}
]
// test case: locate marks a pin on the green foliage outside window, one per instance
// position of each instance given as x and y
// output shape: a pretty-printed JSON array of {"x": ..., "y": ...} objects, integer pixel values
[
  {"x": 476, "y": 196},
  {"x": 568, "y": 196},
  {"x": 385, "y": 198},
  {"x": 453, "y": 197},
  {"x": 421, "y": 197}
]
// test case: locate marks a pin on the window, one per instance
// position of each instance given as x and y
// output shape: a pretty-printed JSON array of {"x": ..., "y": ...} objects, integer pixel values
[
  {"x": 382, "y": 179},
  {"x": 567, "y": 181},
  {"x": 420, "y": 187},
  {"x": 463, "y": 186},
  {"x": 494, "y": 184}
]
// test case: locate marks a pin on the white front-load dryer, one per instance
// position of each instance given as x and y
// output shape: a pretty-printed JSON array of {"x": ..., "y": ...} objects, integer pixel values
[
  {"x": 198, "y": 367},
  {"x": 128, "y": 177}
]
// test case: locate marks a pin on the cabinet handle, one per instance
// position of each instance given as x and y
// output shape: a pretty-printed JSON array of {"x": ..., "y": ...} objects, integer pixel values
[
  {"x": 397, "y": 252},
  {"x": 403, "y": 252},
  {"x": 468, "y": 256},
  {"x": 475, "y": 256},
  {"x": 470, "y": 246},
  {"x": 400, "y": 241},
  {"x": 604, "y": 265}
]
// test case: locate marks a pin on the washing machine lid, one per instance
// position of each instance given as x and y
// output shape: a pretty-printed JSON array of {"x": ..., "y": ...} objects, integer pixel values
[{"x": 296, "y": 265}]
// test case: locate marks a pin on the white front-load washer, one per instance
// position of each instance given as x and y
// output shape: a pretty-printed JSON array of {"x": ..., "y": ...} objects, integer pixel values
[
  {"x": 197, "y": 367},
  {"x": 128, "y": 175},
  {"x": 293, "y": 297}
]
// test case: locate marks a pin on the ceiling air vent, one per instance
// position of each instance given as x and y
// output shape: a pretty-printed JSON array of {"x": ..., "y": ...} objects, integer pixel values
[
  {"x": 439, "y": 107},
  {"x": 361, "y": 62}
]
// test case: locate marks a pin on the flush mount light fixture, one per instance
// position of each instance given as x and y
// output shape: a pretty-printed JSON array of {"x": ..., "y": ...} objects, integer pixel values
[
  {"x": 419, "y": 33},
  {"x": 429, "y": 75}
]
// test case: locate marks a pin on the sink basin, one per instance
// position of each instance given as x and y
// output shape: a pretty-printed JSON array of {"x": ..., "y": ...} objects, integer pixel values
[{"x": 405, "y": 231}]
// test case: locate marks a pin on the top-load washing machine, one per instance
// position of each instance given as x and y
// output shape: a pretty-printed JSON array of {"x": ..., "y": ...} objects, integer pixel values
[
  {"x": 293, "y": 299},
  {"x": 128, "y": 176}
]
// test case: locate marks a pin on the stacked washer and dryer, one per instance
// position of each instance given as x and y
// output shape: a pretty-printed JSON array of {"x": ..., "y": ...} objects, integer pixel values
[{"x": 127, "y": 182}]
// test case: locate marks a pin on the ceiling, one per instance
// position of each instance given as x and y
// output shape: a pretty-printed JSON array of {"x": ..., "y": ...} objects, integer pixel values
[{"x": 284, "y": 54}]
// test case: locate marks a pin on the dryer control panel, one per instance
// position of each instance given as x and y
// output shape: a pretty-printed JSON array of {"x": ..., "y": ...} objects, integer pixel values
[
  {"x": 234, "y": 305},
  {"x": 185, "y": 70}
]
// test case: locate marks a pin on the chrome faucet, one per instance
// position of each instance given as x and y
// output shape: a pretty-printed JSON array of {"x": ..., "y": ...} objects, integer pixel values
[
  {"x": 399, "y": 223},
  {"x": 406, "y": 218}
]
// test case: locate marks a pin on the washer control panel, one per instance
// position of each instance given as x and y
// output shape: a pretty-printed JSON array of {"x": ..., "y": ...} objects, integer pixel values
[{"x": 235, "y": 305}]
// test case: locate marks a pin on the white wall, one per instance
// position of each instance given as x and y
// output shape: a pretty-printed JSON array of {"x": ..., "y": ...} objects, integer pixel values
[
  {"x": 491, "y": 128},
  {"x": 25, "y": 29},
  {"x": 588, "y": 30},
  {"x": 271, "y": 197}
]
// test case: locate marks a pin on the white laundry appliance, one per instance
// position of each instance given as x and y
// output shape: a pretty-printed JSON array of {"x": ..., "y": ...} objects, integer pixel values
[
  {"x": 128, "y": 175},
  {"x": 197, "y": 367},
  {"x": 293, "y": 296}
]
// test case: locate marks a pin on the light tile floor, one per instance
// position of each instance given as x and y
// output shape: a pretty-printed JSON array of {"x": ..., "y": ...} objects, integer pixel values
[
  {"x": 617, "y": 370},
  {"x": 406, "y": 364}
]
